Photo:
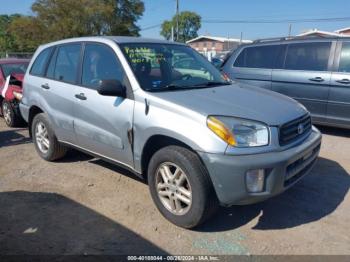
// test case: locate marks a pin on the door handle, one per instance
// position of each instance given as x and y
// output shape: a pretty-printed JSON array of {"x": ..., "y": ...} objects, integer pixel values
[
  {"x": 317, "y": 79},
  {"x": 344, "y": 81},
  {"x": 81, "y": 96},
  {"x": 45, "y": 86}
]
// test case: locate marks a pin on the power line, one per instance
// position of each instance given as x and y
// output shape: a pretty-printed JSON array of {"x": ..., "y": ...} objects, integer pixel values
[
  {"x": 150, "y": 27},
  {"x": 269, "y": 21},
  {"x": 264, "y": 21}
]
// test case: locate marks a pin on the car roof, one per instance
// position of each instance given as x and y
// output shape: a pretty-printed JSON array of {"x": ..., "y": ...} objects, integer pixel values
[
  {"x": 13, "y": 60},
  {"x": 116, "y": 39},
  {"x": 296, "y": 39}
]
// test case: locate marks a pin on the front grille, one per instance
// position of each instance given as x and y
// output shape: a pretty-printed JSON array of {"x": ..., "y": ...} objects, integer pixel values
[{"x": 291, "y": 131}]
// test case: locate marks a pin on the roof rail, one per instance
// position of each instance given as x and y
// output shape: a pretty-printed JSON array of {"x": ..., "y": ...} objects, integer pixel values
[
  {"x": 297, "y": 37},
  {"x": 272, "y": 39}
]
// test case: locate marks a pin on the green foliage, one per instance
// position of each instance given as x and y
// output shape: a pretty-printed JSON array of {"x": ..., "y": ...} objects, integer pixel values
[
  {"x": 59, "y": 19},
  {"x": 6, "y": 39},
  {"x": 189, "y": 24}
]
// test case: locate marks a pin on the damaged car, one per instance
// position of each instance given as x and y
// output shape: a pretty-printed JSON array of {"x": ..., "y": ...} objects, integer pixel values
[{"x": 11, "y": 76}]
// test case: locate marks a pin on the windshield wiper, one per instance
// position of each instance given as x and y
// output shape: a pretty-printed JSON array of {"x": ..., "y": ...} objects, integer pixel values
[
  {"x": 212, "y": 83},
  {"x": 169, "y": 87},
  {"x": 172, "y": 87}
]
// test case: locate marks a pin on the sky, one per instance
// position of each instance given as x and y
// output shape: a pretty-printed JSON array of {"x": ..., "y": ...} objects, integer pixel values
[{"x": 159, "y": 10}]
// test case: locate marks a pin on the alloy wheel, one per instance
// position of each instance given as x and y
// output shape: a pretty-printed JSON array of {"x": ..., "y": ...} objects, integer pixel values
[
  {"x": 6, "y": 110},
  {"x": 42, "y": 137},
  {"x": 173, "y": 188}
]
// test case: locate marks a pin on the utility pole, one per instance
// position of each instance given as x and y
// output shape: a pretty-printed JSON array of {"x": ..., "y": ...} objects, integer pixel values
[
  {"x": 172, "y": 33},
  {"x": 177, "y": 20},
  {"x": 241, "y": 38},
  {"x": 290, "y": 30}
]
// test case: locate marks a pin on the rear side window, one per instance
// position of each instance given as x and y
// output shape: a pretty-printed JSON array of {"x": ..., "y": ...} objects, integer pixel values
[
  {"x": 40, "y": 62},
  {"x": 308, "y": 56},
  {"x": 344, "y": 63},
  {"x": 67, "y": 61},
  {"x": 257, "y": 57}
]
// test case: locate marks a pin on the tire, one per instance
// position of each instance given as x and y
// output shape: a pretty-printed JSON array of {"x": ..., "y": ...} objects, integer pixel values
[
  {"x": 203, "y": 202},
  {"x": 10, "y": 117},
  {"x": 53, "y": 149}
]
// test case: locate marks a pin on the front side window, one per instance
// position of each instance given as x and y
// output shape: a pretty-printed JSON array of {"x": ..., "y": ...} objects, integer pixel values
[
  {"x": 344, "y": 63},
  {"x": 39, "y": 64},
  {"x": 15, "y": 68},
  {"x": 308, "y": 56},
  {"x": 101, "y": 63},
  {"x": 67, "y": 61},
  {"x": 160, "y": 67},
  {"x": 257, "y": 57}
]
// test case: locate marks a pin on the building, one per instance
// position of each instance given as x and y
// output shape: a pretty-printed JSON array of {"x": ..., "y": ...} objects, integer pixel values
[
  {"x": 316, "y": 32},
  {"x": 210, "y": 46},
  {"x": 344, "y": 31}
]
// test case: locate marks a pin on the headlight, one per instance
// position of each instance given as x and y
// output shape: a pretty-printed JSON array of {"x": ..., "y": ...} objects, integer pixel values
[
  {"x": 17, "y": 95},
  {"x": 239, "y": 132}
]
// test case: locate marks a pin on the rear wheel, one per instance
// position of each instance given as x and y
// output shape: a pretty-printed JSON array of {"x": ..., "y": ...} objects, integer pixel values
[
  {"x": 45, "y": 141},
  {"x": 10, "y": 117},
  {"x": 180, "y": 187}
]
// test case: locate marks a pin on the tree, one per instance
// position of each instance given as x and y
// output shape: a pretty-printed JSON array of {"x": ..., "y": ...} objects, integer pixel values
[
  {"x": 189, "y": 24},
  {"x": 7, "y": 41},
  {"x": 126, "y": 13},
  {"x": 59, "y": 19},
  {"x": 28, "y": 33}
]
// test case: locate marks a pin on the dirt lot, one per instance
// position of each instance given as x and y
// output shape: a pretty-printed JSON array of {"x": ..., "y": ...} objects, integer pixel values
[{"x": 83, "y": 205}]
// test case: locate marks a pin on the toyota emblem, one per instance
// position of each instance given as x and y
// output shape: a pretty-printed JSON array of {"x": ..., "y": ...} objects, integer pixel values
[{"x": 300, "y": 129}]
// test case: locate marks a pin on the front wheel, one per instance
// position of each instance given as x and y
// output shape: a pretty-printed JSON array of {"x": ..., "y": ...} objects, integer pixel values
[{"x": 180, "y": 187}]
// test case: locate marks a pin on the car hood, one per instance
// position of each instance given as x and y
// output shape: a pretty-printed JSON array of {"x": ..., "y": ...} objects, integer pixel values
[{"x": 232, "y": 100}]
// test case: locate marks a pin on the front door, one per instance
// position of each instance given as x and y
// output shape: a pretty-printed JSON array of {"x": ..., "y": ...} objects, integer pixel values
[{"x": 103, "y": 123}]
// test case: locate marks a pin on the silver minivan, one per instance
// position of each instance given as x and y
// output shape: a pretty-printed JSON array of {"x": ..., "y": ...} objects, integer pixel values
[
  {"x": 161, "y": 110},
  {"x": 315, "y": 71}
]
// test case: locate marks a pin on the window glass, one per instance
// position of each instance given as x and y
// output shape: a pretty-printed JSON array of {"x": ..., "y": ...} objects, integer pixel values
[
  {"x": 257, "y": 57},
  {"x": 308, "y": 56},
  {"x": 16, "y": 68},
  {"x": 280, "y": 57},
  {"x": 159, "y": 67},
  {"x": 101, "y": 63},
  {"x": 344, "y": 63},
  {"x": 67, "y": 63},
  {"x": 51, "y": 67},
  {"x": 39, "y": 64}
]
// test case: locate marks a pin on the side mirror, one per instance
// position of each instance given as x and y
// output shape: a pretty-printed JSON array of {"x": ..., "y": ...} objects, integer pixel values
[{"x": 111, "y": 87}]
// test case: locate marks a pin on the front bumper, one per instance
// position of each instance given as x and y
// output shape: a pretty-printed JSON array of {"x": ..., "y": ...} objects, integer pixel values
[{"x": 282, "y": 170}]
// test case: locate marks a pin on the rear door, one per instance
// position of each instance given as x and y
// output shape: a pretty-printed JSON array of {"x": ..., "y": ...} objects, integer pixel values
[
  {"x": 338, "y": 111},
  {"x": 304, "y": 75},
  {"x": 59, "y": 88},
  {"x": 103, "y": 124},
  {"x": 253, "y": 65}
]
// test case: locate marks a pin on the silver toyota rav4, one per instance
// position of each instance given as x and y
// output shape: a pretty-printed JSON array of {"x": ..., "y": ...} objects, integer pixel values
[{"x": 161, "y": 110}]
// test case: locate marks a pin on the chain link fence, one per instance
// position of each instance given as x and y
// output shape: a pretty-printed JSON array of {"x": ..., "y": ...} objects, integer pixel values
[{"x": 15, "y": 55}]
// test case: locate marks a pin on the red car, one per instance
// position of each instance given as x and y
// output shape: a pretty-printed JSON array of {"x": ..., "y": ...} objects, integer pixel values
[{"x": 11, "y": 89}]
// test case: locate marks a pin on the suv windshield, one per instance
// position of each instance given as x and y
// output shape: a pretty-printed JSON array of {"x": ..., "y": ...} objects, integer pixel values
[{"x": 163, "y": 67}]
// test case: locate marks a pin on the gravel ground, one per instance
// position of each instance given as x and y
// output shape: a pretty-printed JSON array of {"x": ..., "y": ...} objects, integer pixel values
[{"x": 82, "y": 205}]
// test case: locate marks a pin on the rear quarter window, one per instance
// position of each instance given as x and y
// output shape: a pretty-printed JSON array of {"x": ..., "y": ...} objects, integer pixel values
[{"x": 39, "y": 65}]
